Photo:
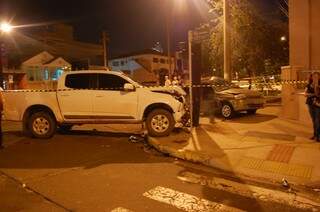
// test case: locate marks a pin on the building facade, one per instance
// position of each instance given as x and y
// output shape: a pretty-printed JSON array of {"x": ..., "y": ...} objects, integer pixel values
[
  {"x": 146, "y": 67},
  {"x": 304, "y": 28},
  {"x": 43, "y": 70},
  {"x": 58, "y": 39}
]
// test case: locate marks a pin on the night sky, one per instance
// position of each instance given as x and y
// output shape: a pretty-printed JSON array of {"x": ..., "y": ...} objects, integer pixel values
[{"x": 132, "y": 24}]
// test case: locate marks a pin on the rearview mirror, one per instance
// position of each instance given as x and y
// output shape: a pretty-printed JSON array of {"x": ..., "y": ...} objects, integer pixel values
[{"x": 128, "y": 87}]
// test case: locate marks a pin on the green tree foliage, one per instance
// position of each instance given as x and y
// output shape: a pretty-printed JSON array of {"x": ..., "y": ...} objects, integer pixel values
[{"x": 255, "y": 40}]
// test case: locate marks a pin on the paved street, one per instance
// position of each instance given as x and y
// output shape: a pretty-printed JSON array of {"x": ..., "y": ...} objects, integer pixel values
[{"x": 93, "y": 171}]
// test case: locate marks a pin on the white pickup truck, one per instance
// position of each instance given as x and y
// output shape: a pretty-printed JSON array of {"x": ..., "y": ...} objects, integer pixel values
[{"x": 94, "y": 97}]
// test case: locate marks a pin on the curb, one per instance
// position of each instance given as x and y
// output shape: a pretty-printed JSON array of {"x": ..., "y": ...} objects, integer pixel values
[{"x": 195, "y": 157}]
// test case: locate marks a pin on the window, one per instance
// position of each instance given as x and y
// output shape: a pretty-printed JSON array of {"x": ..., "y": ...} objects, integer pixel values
[
  {"x": 115, "y": 63},
  {"x": 156, "y": 60},
  {"x": 111, "y": 82},
  {"x": 81, "y": 81},
  {"x": 162, "y": 61},
  {"x": 122, "y": 63}
]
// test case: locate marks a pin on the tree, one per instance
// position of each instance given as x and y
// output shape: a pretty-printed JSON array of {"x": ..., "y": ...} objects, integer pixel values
[{"x": 255, "y": 40}]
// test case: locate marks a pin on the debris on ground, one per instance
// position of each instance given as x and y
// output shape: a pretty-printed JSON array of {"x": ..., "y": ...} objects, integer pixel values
[{"x": 285, "y": 183}]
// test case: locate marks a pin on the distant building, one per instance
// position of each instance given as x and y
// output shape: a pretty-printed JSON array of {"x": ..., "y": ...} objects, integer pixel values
[
  {"x": 147, "y": 66},
  {"x": 157, "y": 47},
  {"x": 182, "y": 59},
  {"x": 304, "y": 28},
  {"x": 43, "y": 69},
  {"x": 58, "y": 39}
]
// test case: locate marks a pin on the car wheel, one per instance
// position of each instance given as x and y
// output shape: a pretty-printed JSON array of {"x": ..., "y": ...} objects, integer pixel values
[
  {"x": 42, "y": 125},
  {"x": 227, "y": 110},
  {"x": 160, "y": 123},
  {"x": 252, "y": 112}
]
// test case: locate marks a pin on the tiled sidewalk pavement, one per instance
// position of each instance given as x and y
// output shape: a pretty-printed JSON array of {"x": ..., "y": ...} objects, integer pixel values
[{"x": 262, "y": 146}]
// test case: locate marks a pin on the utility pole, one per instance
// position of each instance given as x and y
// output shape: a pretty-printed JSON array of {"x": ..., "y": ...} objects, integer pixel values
[
  {"x": 168, "y": 30},
  {"x": 105, "y": 40},
  {"x": 227, "y": 43},
  {"x": 1, "y": 63},
  {"x": 190, "y": 38}
]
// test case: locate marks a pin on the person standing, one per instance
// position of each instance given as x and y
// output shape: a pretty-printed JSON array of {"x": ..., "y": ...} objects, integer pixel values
[
  {"x": 312, "y": 93},
  {"x": 175, "y": 81},
  {"x": 1, "y": 109},
  {"x": 167, "y": 82}
]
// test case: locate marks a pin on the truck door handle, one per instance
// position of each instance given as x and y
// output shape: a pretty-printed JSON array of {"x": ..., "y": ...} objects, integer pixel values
[{"x": 99, "y": 96}]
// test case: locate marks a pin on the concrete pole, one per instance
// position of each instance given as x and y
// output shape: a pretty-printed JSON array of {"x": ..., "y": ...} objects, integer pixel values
[
  {"x": 227, "y": 43},
  {"x": 1, "y": 64},
  {"x": 105, "y": 49}
]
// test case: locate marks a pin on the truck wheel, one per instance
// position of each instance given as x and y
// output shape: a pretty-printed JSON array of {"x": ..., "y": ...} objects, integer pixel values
[
  {"x": 42, "y": 125},
  {"x": 227, "y": 111},
  {"x": 160, "y": 123}
]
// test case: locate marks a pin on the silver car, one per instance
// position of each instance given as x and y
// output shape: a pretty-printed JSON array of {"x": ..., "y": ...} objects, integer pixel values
[{"x": 231, "y": 99}]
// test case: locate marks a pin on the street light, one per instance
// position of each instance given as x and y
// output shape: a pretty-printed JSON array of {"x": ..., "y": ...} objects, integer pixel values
[
  {"x": 5, "y": 27},
  {"x": 283, "y": 38},
  {"x": 169, "y": 16}
]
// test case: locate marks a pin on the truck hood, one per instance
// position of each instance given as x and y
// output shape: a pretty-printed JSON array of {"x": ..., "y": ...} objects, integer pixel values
[{"x": 172, "y": 90}]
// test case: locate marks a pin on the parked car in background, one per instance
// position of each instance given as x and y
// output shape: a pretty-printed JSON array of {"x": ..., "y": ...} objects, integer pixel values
[
  {"x": 99, "y": 97},
  {"x": 231, "y": 99}
]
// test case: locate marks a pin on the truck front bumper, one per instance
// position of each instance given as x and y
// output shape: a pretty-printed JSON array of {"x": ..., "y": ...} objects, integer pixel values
[{"x": 178, "y": 115}]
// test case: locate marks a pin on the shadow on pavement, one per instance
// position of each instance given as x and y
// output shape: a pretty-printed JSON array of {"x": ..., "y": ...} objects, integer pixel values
[
  {"x": 85, "y": 149},
  {"x": 252, "y": 119},
  {"x": 210, "y": 192}
]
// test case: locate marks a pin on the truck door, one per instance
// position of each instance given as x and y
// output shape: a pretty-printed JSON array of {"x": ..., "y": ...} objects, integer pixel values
[
  {"x": 76, "y": 100},
  {"x": 112, "y": 102}
]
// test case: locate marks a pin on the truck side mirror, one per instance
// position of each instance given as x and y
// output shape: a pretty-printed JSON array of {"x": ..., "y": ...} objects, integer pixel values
[{"x": 128, "y": 87}]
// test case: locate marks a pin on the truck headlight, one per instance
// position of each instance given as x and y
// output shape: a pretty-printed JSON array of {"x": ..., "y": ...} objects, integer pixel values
[{"x": 240, "y": 96}]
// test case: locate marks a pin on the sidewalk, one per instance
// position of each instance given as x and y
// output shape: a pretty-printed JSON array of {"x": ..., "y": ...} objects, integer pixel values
[{"x": 261, "y": 146}]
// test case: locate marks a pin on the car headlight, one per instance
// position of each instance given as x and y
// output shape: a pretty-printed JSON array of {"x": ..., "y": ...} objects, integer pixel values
[{"x": 240, "y": 96}]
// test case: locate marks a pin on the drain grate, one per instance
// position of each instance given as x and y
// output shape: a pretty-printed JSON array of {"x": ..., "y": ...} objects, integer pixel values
[
  {"x": 281, "y": 153},
  {"x": 277, "y": 167}
]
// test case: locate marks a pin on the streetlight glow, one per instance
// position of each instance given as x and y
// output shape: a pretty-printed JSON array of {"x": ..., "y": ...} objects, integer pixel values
[{"x": 5, "y": 27}]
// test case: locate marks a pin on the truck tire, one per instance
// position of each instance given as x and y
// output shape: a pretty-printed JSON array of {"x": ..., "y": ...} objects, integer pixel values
[
  {"x": 42, "y": 125},
  {"x": 160, "y": 123},
  {"x": 227, "y": 110}
]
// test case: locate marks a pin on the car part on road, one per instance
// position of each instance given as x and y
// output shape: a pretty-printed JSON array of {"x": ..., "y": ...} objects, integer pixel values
[
  {"x": 160, "y": 123},
  {"x": 64, "y": 128},
  {"x": 252, "y": 112},
  {"x": 227, "y": 110},
  {"x": 42, "y": 125}
]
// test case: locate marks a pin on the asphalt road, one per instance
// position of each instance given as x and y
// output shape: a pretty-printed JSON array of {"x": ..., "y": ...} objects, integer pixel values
[{"x": 93, "y": 171}]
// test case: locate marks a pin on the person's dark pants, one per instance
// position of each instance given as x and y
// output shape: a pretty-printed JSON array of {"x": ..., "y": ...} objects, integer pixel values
[
  {"x": 1, "y": 131},
  {"x": 315, "y": 117}
]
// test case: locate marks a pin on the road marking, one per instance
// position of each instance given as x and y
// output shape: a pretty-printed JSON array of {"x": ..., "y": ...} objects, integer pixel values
[
  {"x": 185, "y": 201},
  {"x": 120, "y": 209}
]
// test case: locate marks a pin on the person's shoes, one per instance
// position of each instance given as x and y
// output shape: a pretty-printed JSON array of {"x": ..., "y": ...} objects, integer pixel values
[
  {"x": 313, "y": 137},
  {"x": 318, "y": 139}
]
